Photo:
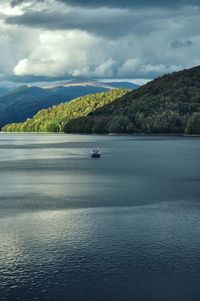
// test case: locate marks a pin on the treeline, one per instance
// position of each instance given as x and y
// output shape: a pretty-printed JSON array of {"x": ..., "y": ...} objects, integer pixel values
[
  {"x": 169, "y": 104},
  {"x": 55, "y": 118},
  {"x": 166, "y": 123}
]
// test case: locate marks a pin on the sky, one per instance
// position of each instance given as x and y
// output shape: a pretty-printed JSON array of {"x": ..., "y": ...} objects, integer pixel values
[{"x": 50, "y": 40}]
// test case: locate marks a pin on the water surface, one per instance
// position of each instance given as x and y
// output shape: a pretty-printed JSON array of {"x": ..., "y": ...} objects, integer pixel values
[{"x": 123, "y": 227}]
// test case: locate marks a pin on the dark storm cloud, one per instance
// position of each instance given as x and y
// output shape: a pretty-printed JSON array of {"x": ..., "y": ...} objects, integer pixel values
[
  {"x": 88, "y": 38},
  {"x": 131, "y": 3},
  {"x": 120, "y": 3},
  {"x": 180, "y": 44},
  {"x": 104, "y": 22},
  {"x": 111, "y": 18},
  {"x": 17, "y": 2},
  {"x": 31, "y": 78}
]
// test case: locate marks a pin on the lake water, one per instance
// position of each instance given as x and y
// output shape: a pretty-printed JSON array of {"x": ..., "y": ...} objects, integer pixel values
[{"x": 123, "y": 227}]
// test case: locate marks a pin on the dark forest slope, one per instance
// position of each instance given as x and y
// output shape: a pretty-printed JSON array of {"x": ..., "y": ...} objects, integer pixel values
[
  {"x": 55, "y": 118},
  {"x": 168, "y": 104}
]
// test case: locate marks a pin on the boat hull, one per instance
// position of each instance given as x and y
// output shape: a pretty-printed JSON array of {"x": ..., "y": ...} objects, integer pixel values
[{"x": 96, "y": 155}]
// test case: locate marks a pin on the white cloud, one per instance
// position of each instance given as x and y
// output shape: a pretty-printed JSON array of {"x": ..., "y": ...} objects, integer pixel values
[
  {"x": 142, "y": 68},
  {"x": 158, "y": 69},
  {"x": 105, "y": 69},
  {"x": 129, "y": 67},
  {"x": 71, "y": 53},
  {"x": 14, "y": 45},
  {"x": 143, "y": 49},
  {"x": 60, "y": 52},
  {"x": 7, "y": 10},
  {"x": 75, "y": 53}
]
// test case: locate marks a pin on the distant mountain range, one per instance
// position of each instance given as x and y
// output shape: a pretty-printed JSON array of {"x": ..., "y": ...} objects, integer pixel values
[
  {"x": 94, "y": 84},
  {"x": 169, "y": 104},
  {"x": 24, "y": 102},
  {"x": 54, "y": 119}
]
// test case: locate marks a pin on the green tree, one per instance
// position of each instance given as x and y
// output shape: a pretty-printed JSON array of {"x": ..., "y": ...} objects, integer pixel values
[
  {"x": 101, "y": 125},
  {"x": 193, "y": 124},
  {"x": 119, "y": 124}
]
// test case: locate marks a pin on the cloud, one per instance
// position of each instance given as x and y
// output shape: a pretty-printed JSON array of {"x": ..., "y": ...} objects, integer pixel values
[
  {"x": 111, "y": 22},
  {"x": 141, "y": 68},
  {"x": 14, "y": 45},
  {"x": 179, "y": 44},
  {"x": 80, "y": 54},
  {"x": 64, "y": 39},
  {"x": 70, "y": 53},
  {"x": 119, "y": 3},
  {"x": 98, "y": 20},
  {"x": 130, "y": 66},
  {"x": 14, "y": 3}
]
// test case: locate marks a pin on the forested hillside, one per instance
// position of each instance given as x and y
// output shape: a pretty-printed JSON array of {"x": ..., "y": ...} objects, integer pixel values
[
  {"x": 55, "y": 118},
  {"x": 24, "y": 102},
  {"x": 168, "y": 104}
]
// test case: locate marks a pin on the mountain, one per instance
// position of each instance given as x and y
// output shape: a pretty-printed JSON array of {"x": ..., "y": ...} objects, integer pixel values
[
  {"x": 82, "y": 83},
  {"x": 168, "y": 104},
  {"x": 22, "y": 103},
  {"x": 123, "y": 85},
  {"x": 95, "y": 84},
  {"x": 23, "y": 88},
  {"x": 25, "y": 101},
  {"x": 55, "y": 118},
  {"x": 78, "y": 90}
]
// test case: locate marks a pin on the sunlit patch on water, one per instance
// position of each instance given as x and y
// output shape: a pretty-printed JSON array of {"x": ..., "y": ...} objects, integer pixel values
[{"x": 125, "y": 227}]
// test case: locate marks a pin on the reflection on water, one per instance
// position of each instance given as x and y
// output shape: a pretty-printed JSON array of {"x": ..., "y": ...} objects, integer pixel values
[{"x": 125, "y": 227}]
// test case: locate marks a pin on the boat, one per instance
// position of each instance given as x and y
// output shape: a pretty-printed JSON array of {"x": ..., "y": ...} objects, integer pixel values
[{"x": 95, "y": 153}]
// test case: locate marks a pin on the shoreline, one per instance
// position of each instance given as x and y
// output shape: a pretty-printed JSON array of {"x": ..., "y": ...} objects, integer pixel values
[{"x": 109, "y": 134}]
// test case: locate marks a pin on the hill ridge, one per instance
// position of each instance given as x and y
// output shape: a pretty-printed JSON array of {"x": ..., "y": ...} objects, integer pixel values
[
  {"x": 54, "y": 118},
  {"x": 168, "y": 104}
]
